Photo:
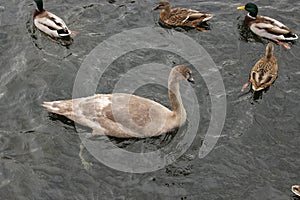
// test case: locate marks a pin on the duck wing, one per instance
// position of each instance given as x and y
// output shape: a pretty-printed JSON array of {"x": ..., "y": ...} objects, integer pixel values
[
  {"x": 181, "y": 16},
  {"x": 272, "y": 29},
  {"x": 194, "y": 15},
  {"x": 264, "y": 73},
  {"x": 59, "y": 23},
  {"x": 51, "y": 24}
]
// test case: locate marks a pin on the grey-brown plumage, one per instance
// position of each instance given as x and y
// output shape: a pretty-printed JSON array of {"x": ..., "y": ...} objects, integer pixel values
[
  {"x": 127, "y": 115},
  {"x": 264, "y": 72}
]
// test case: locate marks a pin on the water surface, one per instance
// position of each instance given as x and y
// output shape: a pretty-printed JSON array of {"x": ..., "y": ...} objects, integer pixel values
[{"x": 256, "y": 157}]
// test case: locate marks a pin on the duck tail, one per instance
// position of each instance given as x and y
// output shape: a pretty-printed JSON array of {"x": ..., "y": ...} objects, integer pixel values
[
  {"x": 207, "y": 17},
  {"x": 291, "y": 35},
  {"x": 269, "y": 50},
  {"x": 63, "y": 32},
  {"x": 296, "y": 189}
]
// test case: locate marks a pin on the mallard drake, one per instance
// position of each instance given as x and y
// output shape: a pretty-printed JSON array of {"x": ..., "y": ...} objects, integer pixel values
[
  {"x": 49, "y": 23},
  {"x": 296, "y": 190},
  {"x": 125, "y": 115},
  {"x": 267, "y": 27},
  {"x": 181, "y": 17},
  {"x": 264, "y": 72}
]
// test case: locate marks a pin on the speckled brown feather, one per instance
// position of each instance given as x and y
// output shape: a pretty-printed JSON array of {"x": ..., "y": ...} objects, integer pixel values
[
  {"x": 264, "y": 72},
  {"x": 182, "y": 17},
  {"x": 178, "y": 17}
]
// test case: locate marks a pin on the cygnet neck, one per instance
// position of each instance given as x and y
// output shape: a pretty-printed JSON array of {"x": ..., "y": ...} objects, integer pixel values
[{"x": 174, "y": 95}]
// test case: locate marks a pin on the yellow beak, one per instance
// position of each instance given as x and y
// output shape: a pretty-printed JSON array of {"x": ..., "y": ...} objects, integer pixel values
[{"x": 241, "y": 8}]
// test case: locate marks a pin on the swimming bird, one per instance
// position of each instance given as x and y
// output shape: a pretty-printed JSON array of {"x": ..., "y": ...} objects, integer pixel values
[
  {"x": 267, "y": 27},
  {"x": 49, "y": 23},
  {"x": 126, "y": 115},
  {"x": 181, "y": 17},
  {"x": 264, "y": 72},
  {"x": 296, "y": 190}
]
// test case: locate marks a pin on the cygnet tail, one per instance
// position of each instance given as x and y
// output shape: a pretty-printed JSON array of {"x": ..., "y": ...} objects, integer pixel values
[{"x": 58, "y": 107}]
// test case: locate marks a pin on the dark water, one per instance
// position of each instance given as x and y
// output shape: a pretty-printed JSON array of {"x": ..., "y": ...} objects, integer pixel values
[{"x": 256, "y": 157}]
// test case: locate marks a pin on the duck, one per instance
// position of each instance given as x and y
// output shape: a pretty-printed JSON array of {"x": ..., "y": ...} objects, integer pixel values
[
  {"x": 264, "y": 72},
  {"x": 296, "y": 190},
  {"x": 181, "y": 17},
  {"x": 49, "y": 23},
  {"x": 267, "y": 27},
  {"x": 124, "y": 115}
]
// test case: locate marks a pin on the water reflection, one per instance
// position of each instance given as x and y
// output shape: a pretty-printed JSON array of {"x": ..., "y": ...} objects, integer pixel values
[
  {"x": 255, "y": 96},
  {"x": 246, "y": 34},
  {"x": 204, "y": 25}
]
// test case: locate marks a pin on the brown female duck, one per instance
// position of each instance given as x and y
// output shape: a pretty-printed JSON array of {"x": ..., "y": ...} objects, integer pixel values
[
  {"x": 181, "y": 17},
  {"x": 264, "y": 72}
]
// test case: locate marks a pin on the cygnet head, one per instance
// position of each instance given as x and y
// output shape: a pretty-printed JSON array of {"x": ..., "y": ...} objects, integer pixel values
[{"x": 182, "y": 72}]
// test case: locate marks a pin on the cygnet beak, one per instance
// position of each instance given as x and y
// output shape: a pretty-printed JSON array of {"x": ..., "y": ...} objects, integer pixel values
[{"x": 191, "y": 80}]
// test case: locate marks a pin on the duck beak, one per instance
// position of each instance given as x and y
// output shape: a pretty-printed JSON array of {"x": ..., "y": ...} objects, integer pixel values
[
  {"x": 155, "y": 8},
  {"x": 241, "y": 8},
  {"x": 191, "y": 80}
]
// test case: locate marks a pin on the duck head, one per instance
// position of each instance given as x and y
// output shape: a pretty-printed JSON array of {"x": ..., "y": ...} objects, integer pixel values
[
  {"x": 162, "y": 5},
  {"x": 251, "y": 8},
  {"x": 39, "y": 5}
]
